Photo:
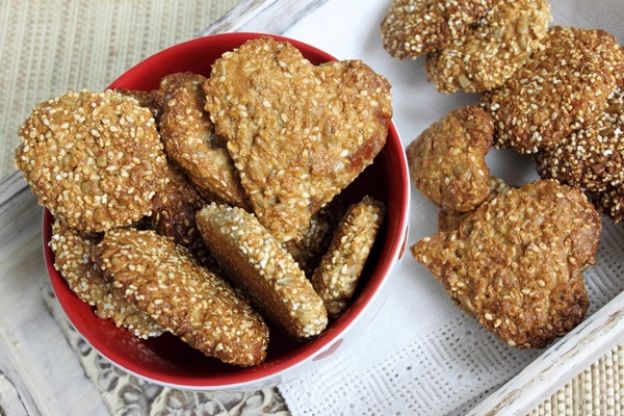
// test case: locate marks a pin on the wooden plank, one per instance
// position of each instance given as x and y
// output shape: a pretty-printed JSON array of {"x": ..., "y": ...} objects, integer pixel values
[
  {"x": 270, "y": 16},
  {"x": 11, "y": 186},
  {"x": 34, "y": 355},
  {"x": 10, "y": 401}
]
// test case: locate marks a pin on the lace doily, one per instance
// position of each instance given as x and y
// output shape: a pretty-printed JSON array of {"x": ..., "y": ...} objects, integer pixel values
[{"x": 126, "y": 395}]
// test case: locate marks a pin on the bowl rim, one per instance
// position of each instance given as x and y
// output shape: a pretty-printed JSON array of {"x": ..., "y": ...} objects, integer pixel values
[{"x": 306, "y": 352}]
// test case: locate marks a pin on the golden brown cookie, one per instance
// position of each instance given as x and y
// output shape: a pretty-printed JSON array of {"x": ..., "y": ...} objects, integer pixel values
[
  {"x": 450, "y": 220},
  {"x": 174, "y": 209},
  {"x": 484, "y": 57},
  {"x": 447, "y": 161},
  {"x": 611, "y": 202},
  {"x": 172, "y": 82},
  {"x": 72, "y": 259},
  {"x": 592, "y": 158},
  {"x": 93, "y": 159},
  {"x": 516, "y": 263},
  {"x": 265, "y": 271},
  {"x": 561, "y": 88},
  {"x": 147, "y": 99},
  {"x": 298, "y": 133},
  {"x": 415, "y": 27},
  {"x": 190, "y": 141},
  {"x": 336, "y": 277},
  {"x": 308, "y": 250},
  {"x": 163, "y": 280}
]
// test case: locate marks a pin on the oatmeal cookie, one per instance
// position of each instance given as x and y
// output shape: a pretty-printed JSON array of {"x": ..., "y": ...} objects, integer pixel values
[
  {"x": 486, "y": 56},
  {"x": 415, "y": 27},
  {"x": 174, "y": 209},
  {"x": 308, "y": 250},
  {"x": 592, "y": 158},
  {"x": 562, "y": 88},
  {"x": 611, "y": 202},
  {"x": 146, "y": 99},
  {"x": 93, "y": 159},
  {"x": 516, "y": 263},
  {"x": 298, "y": 133},
  {"x": 190, "y": 141},
  {"x": 336, "y": 277},
  {"x": 260, "y": 266},
  {"x": 164, "y": 281},
  {"x": 72, "y": 259},
  {"x": 173, "y": 82},
  {"x": 447, "y": 161},
  {"x": 450, "y": 220}
]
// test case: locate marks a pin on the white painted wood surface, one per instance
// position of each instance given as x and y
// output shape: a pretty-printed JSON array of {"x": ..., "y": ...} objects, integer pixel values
[
  {"x": 10, "y": 401},
  {"x": 558, "y": 364},
  {"x": 34, "y": 355},
  {"x": 274, "y": 16}
]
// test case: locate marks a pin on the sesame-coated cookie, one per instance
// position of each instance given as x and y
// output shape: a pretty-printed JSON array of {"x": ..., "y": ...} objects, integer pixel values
[
  {"x": 308, "y": 250},
  {"x": 337, "y": 275},
  {"x": 450, "y": 220},
  {"x": 298, "y": 133},
  {"x": 484, "y": 57},
  {"x": 163, "y": 280},
  {"x": 592, "y": 158},
  {"x": 415, "y": 27},
  {"x": 93, "y": 159},
  {"x": 190, "y": 141},
  {"x": 172, "y": 82},
  {"x": 447, "y": 161},
  {"x": 174, "y": 209},
  {"x": 72, "y": 259},
  {"x": 147, "y": 99},
  {"x": 263, "y": 269},
  {"x": 561, "y": 88},
  {"x": 611, "y": 202},
  {"x": 516, "y": 263}
]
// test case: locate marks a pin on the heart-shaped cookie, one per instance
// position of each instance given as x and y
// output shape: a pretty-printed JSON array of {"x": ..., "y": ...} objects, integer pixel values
[
  {"x": 298, "y": 133},
  {"x": 516, "y": 263}
]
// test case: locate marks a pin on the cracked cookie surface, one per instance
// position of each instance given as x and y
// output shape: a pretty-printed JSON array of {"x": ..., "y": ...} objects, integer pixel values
[{"x": 484, "y": 57}]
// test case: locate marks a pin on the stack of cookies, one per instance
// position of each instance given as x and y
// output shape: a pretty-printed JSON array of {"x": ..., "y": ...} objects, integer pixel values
[
  {"x": 514, "y": 258},
  {"x": 470, "y": 45},
  {"x": 208, "y": 205}
]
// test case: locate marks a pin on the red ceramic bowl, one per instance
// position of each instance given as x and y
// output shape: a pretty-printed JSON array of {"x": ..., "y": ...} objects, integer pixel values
[{"x": 166, "y": 359}]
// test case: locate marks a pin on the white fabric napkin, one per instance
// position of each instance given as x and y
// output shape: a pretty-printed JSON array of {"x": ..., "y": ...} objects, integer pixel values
[{"x": 421, "y": 354}]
